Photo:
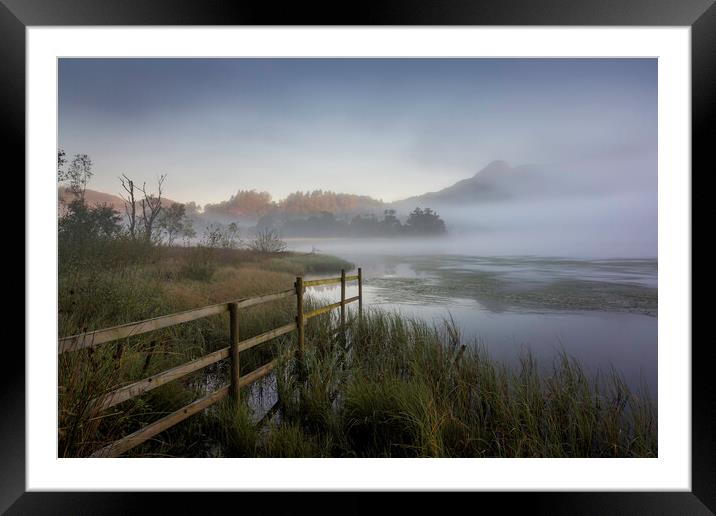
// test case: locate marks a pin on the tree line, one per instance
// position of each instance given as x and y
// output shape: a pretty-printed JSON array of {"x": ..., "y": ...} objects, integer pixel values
[
  {"x": 420, "y": 222},
  {"x": 149, "y": 218},
  {"x": 251, "y": 203}
]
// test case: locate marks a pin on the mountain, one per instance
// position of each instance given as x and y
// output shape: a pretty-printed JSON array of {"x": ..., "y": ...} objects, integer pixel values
[
  {"x": 565, "y": 181},
  {"x": 496, "y": 182}
]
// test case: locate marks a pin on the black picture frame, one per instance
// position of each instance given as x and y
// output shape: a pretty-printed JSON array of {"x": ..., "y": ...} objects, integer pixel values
[{"x": 700, "y": 15}]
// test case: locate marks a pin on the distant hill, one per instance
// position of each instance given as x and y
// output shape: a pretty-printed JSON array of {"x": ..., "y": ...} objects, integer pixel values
[
  {"x": 93, "y": 197},
  {"x": 496, "y": 182},
  {"x": 499, "y": 182}
]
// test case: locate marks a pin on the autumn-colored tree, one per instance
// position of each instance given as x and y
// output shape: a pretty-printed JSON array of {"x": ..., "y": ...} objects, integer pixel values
[
  {"x": 243, "y": 203},
  {"x": 319, "y": 201}
]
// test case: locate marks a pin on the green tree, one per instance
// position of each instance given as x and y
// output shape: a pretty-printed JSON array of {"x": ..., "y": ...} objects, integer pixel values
[
  {"x": 82, "y": 223},
  {"x": 77, "y": 174},
  {"x": 61, "y": 160},
  {"x": 391, "y": 224},
  {"x": 188, "y": 231},
  {"x": 425, "y": 222},
  {"x": 172, "y": 221}
]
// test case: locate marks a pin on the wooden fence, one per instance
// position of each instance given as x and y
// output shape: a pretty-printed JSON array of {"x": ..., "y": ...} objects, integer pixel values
[{"x": 236, "y": 346}]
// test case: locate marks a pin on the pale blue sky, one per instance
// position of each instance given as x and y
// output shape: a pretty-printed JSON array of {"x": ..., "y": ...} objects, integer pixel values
[{"x": 389, "y": 128}]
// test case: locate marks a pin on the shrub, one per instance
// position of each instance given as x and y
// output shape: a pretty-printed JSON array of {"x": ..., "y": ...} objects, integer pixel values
[
  {"x": 219, "y": 236},
  {"x": 267, "y": 241}
]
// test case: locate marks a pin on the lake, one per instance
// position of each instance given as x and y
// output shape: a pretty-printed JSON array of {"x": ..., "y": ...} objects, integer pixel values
[{"x": 602, "y": 311}]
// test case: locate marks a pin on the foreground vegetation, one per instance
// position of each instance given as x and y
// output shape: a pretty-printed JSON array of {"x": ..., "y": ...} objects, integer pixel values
[
  {"x": 391, "y": 387},
  {"x": 402, "y": 388}
]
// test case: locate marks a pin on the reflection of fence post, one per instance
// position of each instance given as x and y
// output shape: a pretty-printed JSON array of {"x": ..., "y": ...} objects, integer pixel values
[
  {"x": 234, "y": 339},
  {"x": 299, "y": 317},
  {"x": 360, "y": 293}
]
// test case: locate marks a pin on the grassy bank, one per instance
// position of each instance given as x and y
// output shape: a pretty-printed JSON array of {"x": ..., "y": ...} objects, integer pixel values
[
  {"x": 393, "y": 387},
  {"x": 402, "y": 388}
]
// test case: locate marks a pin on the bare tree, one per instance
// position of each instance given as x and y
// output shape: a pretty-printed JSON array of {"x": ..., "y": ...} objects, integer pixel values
[
  {"x": 130, "y": 204},
  {"x": 151, "y": 207}
]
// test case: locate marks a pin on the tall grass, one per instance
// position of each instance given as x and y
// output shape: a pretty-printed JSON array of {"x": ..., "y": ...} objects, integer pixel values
[{"x": 404, "y": 388}]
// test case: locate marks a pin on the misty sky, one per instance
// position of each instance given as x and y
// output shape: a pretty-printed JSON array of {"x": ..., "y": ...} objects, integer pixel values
[{"x": 389, "y": 128}]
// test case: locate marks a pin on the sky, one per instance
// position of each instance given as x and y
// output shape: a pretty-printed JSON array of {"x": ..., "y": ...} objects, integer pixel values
[{"x": 388, "y": 128}]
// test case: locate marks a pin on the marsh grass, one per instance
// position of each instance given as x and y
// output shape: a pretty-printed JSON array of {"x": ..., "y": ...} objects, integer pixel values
[
  {"x": 404, "y": 388},
  {"x": 390, "y": 386}
]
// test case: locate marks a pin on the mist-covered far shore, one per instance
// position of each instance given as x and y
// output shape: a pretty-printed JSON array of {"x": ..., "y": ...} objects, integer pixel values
[{"x": 477, "y": 243}]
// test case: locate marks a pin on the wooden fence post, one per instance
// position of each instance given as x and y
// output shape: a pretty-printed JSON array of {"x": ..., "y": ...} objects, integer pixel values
[
  {"x": 343, "y": 298},
  {"x": 234, "y": 352},
  {"x": 299, "y": 316},
  {"x": 360, "y": 293},
  {"x": 343, "y": 305}
]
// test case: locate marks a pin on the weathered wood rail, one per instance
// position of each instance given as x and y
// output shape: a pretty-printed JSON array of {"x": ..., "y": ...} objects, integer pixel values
[{"x": 232, "y": 352}]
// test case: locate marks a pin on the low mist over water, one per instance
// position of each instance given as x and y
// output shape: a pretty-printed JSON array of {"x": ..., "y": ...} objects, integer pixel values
[{"x": 489, "y": 242}]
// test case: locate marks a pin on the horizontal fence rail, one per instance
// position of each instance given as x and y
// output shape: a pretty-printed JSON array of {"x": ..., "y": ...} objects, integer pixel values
[
  {"x": 126, "y": 443},
  {"x": 98, "y": 337},
  {"x": 327, "y": 281},
  {"x": 322, "y": 310},
  {"x": 135, "y": 389},
  {"x": 265, "y": 337}
]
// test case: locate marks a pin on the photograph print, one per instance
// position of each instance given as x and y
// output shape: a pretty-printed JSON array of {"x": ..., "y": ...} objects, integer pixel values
[{"x": 357, "y": 257}]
